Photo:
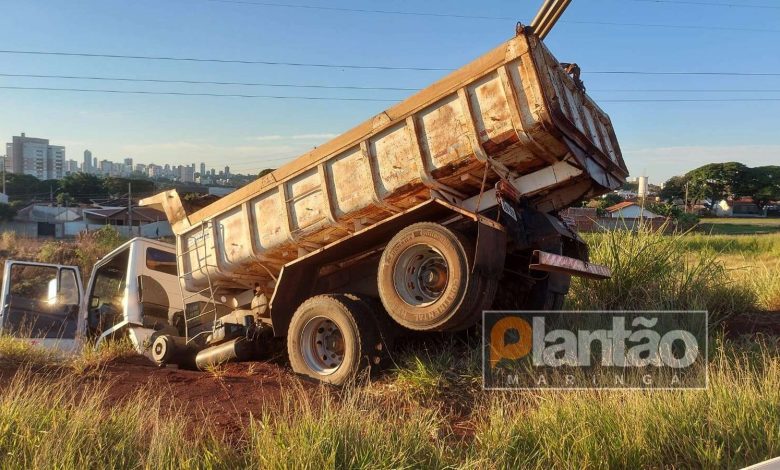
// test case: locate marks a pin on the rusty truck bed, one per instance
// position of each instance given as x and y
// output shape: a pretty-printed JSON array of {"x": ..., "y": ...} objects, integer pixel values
[{"x": 513, "y": 110}]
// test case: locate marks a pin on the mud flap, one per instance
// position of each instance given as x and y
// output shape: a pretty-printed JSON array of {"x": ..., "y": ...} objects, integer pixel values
[{"x": 490, "y": 252}]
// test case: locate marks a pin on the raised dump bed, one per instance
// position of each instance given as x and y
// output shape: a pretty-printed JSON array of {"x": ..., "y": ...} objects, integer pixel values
[{"x": 514, "y": 107}]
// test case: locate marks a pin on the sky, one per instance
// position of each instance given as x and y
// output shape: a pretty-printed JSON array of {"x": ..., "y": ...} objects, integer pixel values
[{"x": 658, "y": 139}]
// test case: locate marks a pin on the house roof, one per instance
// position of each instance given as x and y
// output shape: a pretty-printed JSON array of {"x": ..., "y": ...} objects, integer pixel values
[
  {"x": 139, "y": 213},
  {"x": 620, "y": 205},
  {"x": 103, "y": 212}
]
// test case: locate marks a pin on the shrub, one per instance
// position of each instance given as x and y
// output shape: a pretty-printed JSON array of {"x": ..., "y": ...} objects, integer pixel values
[{"x": 91, "y": 246}]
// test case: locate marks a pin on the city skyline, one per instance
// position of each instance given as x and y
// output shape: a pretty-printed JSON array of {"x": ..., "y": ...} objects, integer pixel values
[{"x": 37, "y": 157}]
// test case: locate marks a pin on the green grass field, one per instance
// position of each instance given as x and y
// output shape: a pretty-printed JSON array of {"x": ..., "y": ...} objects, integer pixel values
[
  {"x": 738, "y": 226},
  {"x": 431, "y": 411}
]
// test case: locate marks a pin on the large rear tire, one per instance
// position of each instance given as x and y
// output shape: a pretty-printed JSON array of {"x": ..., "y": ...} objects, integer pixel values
[
  {"x": 332, "y": 338},
  {"x": 425, "y": 279}
]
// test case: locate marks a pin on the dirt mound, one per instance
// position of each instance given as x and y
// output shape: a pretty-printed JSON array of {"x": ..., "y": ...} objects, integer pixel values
[{"x": 223, "y": 399}]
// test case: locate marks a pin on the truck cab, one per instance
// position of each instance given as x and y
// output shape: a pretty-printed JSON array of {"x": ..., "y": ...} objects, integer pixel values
[{"x": 133, "y": 290}]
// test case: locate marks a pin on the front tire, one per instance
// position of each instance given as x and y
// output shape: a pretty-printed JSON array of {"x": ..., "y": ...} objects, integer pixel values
[{"x": 331, "y": 339}]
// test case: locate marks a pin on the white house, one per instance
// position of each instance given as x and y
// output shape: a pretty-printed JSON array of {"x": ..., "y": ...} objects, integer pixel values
[
  {"x": 630, "y": 210},
  {"x": 743, "y": 207}
]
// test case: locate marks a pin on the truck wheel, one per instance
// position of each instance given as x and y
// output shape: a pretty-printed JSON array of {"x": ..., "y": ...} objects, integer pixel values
[
  {"x": 331, "y": 338},
  {"x": 425, "y": 280}
]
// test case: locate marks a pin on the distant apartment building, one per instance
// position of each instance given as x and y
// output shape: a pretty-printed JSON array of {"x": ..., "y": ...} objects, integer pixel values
[
  {"x": 86, "y": 167},
  {"x": 127, "y": 167},
  {"x": 154, "y": 171},
  {"x": 106, "y": 167},
  {"x": 71, "y": 167},
  {"x": 36, "y": 157},
  {"x": 55, "y": 162},
  {"x": 186, "y": 173}
]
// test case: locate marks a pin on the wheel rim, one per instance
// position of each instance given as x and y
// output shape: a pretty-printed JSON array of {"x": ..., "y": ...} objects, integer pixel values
[
  {"x": 322, "y": 345},
  {"x": 421, "y": 275}
]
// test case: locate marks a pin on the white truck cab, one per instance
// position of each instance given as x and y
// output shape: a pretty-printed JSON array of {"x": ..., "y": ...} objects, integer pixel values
[{"x": 133, "y": 290}]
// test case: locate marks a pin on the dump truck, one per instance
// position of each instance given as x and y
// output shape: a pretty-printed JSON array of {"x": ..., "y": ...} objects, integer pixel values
[{"x": 418, "y": 219}]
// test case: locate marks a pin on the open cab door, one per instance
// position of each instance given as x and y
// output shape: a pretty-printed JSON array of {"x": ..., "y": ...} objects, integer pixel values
[{"x": 40, "y": 303}]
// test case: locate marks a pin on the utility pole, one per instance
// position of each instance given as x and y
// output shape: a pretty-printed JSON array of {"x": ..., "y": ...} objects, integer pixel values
[{"x": 130, "y": 207}]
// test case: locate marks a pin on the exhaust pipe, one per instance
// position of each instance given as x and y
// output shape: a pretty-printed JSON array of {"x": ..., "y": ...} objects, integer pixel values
[{"x": 239, "y": 349}]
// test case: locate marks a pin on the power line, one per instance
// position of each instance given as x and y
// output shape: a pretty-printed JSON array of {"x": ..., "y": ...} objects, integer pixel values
[
  {"x": 352, "y": 66},
  {"x": 323, "y": 98},
  {"x": 349, "y": 87},
  {"x": 223, "y": 61},
  {"x": 635, "y": 72},
  {"x": 674, "y": 26},
  {"x": 711, "y": 4},
  {"x": 360, "y": 10},
  {"x": 680, "y": 90},
  {"x": 461, "y": 16},
  {"x": 203, "y": 82},
  {"x": 176, "y": 93},
  {"x": 693, "y": 100}
]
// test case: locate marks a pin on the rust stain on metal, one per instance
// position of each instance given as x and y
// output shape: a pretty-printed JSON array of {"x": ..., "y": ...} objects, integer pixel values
[{"x": 543, "y": 261}]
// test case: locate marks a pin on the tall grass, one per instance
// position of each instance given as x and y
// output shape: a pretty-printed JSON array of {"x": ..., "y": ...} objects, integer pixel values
[
  {"x": 356, "y": 430},
  {"x": 753, "y": 245},
  {"x": 736, "y": 422},
  {"x": 56, "y": 422},
  {"x": 59, "y": 421},
  {"x": 652, "y": 270}
]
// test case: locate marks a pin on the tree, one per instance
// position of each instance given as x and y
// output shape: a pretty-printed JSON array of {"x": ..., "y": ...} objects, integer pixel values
[
  {"x": 601, "y": 203},
  {"x": 674, "y": 188},
  {"x": 7, "y": 213},
  {"x": 24, "y": 187},
  {"x": 83, "y": 186},
  {"x": 65, "y": 199},
  {"x": 265, "y": 172},
  {"x": 610, "y": 199},
  {"x": 762, "y": 184},
  {"x": 716, "y": 181},
  {"x": 630, "y": 186},
  {"x": 117, "y": 186}
]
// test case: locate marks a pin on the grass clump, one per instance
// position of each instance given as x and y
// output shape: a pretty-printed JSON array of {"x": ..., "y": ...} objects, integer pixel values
[
  {"x": 448, "y": 371},
  {"x": 92, "y": 356},
  {"x": 352, "y": 431},
  {"x": 16, "y": 351}
]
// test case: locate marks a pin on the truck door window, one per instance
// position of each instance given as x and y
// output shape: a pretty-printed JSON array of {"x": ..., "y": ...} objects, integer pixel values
[
  {"x": 43, "y": 302},
  {"x": 106, "y": 300},
  {"x": 162, "y": 261}
]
